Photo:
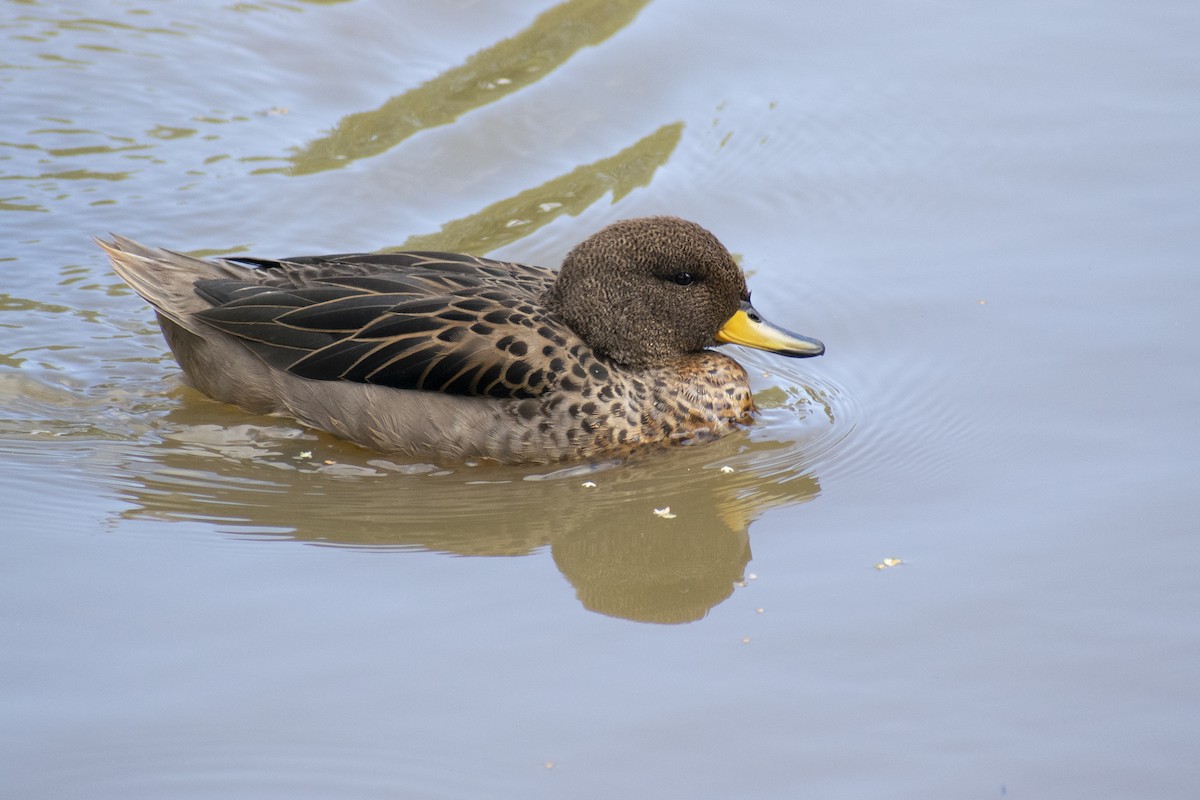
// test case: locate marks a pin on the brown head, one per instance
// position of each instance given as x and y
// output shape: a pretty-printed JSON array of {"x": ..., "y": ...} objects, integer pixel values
[{"x": 645, "y": 291}]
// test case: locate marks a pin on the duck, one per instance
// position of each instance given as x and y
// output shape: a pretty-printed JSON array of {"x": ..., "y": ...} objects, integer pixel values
[{"x": 452, "y": 358}]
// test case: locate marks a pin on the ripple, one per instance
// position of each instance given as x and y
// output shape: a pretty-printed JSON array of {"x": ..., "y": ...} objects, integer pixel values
[
  {"x": 660, "y": 537},
  {"x": 205, "y": 763},
  {"x": 906, "y": 412},
  {"x": 204, "y": 454},
  {"x": 206, "y": 457},
  {"x": 813, "y": 410}
]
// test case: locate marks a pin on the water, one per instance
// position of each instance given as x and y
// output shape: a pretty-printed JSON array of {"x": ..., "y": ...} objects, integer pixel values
[{"x": 988, "y": 215}]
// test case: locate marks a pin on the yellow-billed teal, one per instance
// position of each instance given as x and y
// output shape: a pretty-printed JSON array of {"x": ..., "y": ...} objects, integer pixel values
[{"x": 445, "y": 356}]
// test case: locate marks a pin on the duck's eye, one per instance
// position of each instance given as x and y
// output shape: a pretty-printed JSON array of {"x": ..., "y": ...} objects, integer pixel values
[{"x": 684, "y": 278}]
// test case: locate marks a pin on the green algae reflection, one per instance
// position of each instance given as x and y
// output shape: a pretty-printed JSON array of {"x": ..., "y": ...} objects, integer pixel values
[
  {"x": 520, "y": 215},
  {"x": 487, "y": 76}
]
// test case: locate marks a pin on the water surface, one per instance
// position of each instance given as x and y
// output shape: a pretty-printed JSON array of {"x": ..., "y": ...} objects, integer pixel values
[{"x": 988, "y": 215}]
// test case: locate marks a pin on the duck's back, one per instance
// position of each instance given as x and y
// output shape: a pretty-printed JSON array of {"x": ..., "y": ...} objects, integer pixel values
[
  {"x": 419, "y": 272},
  {"x": 439, "y": 322},
  {"x": 424, "y": 321}
]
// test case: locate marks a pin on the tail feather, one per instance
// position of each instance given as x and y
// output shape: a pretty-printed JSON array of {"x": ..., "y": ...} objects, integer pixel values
[{"x": 166, "y": 279}]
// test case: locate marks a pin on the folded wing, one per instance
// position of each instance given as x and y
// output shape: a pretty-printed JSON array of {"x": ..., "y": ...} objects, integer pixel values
[{"x": 430, "y": 321}]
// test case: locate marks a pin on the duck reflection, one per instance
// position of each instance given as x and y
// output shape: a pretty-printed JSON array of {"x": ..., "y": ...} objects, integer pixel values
[{"x": 660, "y": 539}]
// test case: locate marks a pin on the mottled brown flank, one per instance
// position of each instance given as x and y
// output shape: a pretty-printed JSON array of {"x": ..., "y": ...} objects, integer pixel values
[
  {"x": 698, "y": 397},
  {"x": 449, "y": 356}
]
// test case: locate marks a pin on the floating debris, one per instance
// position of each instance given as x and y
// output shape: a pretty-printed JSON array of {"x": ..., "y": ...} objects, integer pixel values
[
  {"x": 727, "y": 469},
  {"x": 665, "y": 513},
  {"x": 588, "y": 484},
  {"x": 889, "y": 562},
  {"x": 305, "y": 455}
]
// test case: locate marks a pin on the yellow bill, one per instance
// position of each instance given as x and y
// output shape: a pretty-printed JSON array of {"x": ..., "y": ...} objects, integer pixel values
[{"x": 747, "y": 327}]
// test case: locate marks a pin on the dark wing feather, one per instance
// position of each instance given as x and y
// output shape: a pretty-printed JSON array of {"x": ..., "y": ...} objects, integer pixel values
[
  {"x": 414, "y": 271},
  {"x": 445, "y": 323}
]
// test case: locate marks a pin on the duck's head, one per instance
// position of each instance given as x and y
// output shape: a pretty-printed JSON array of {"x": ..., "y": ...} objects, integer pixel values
[{"x": 645, "y": 291}]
